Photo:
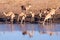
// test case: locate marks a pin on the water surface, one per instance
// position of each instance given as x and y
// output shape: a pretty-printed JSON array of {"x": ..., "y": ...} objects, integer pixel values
[{"x": 14, "y": 31}]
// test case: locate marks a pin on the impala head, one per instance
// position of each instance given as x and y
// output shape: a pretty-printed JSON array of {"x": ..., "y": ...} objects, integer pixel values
[
  {"x": 4, "y": 12},
  {"x": 23, "y": 7},
  {"x": 29, "y": 5},
  {"x": 53, "y": 11},
  {"x": 40, "y": 10},
  {"x": 45, "y": 11},
  {"x": 55, "y": 8}
]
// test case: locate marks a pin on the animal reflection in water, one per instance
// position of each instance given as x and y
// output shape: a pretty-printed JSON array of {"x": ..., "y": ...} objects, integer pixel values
[
  {"x": 11, "y": 15},
  {"x": 12, "y": 27},
  {"x": 31, "y": 32},
  {"x": 47, "y": 32},
  {"x": 23, "y": 15},
  {"x": 28, "y": 32},
  {"x": 47, "y": 29},
  {"x": 49, "y": 16}
]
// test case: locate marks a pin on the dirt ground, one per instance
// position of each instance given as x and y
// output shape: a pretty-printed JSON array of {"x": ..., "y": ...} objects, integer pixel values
[{"x": 15, "y": 5}]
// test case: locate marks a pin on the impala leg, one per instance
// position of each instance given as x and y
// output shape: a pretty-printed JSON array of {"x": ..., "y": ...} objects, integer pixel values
[
  {"x": 6, "y": 20},
  {"x": 18, "y": 19},
  {"x": 22, "y": 20},
  {"x": 48, "y": 21},
  {"x": 12, "y": 19},
  {"x": 32, "y": 19},
  {"x": 44, "y": 21}
]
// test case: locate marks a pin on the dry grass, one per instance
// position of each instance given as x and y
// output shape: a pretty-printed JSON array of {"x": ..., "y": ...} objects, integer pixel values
[{"x": 14, "y": 5}]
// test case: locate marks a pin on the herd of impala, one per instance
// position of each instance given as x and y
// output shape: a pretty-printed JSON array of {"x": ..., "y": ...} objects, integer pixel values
[{"x": 48, "y": 13}]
